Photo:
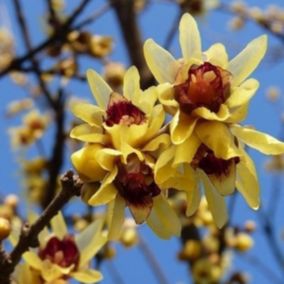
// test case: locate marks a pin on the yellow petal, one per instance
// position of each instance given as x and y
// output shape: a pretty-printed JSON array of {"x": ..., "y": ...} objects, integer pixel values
[
  {"x": 107, "y": 191},
  {"x": 181, "y": 127},
  {"x": 140, "y": 213},
  {"x": 33, "y": 260},
  {"x": 161, "y": 63},
  {"x": 216, "y": 203},
  {"x": 163, "y": 170},
  {"x": 187, "y": 150},
  {"x": 247, "y": 60},
  {"x": 116, "y": 217},
  {"x": 59, "y": 226},
  {"x": 86, "y": 164},
  {"x": 193, "y": 198},
  {"x": 89, "y": 113},
  {"x": 163, "y": 220},
  {"x": 147, "y": 99},
  {"x": 87, "y": 276},
  {"x": 264, "y": 143},
  {"x": 131, "y": 85},
  {"x": 217, "y": 55},
  {"x": 166, "y": 97},
  {"x": 90, "y": 241},
  {"x": 189, "y": 38},
  {"x": 162, "y": 141},
  {"x": 222, "y": 114},
  {"x": 51, "y": 271},
  {"x": 247, "y": 182},
  {"x": 107, "y": 157},
  {"x": 225, "y": 183},
  {"x": 87, "y": 133},
  {"x": 238, "y": 114},
  {"x": 217, "y": 137},
  {"x": 243, "y": 94},
  {"x": 100, "y": 89}
]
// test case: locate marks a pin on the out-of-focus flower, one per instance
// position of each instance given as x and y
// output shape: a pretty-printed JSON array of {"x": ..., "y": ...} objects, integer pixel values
[
  {"x": 6, "y": 47},
  {"x": 100, "y": 46},
  {"x": 62, "y": 256},
  {"x": 5, "y": 228},
  {"x": 113, "y": 74},
  {"x": 273, "y": 94},
  {"x": 18, "y": 106},
  {"x": 198, "y": 7},
  {"x": 124, "y": 136}
]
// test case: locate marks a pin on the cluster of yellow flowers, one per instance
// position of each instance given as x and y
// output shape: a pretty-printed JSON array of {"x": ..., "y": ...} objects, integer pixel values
[{"x": 182, "y": 134}]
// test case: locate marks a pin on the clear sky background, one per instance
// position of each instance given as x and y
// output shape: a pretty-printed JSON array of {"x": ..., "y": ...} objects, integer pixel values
[{"x": 155, "y": 23}]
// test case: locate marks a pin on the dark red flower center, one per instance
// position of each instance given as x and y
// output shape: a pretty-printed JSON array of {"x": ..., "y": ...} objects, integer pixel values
[
  {"x": 205, "y": 159},
  {"x": 122, "y": 111},
  {"x": 207, "y": 86},
  {"x": 61, "y": 252},
  {"x": 135, "y": 182}
]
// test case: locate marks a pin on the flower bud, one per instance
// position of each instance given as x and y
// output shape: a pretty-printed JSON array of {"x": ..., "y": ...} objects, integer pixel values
[{"x": 5, "y": 228}]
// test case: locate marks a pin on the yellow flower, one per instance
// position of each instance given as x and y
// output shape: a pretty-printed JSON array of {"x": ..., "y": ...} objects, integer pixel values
[
  {"x": 124, "y": 136},
  {"x": 62, "y": 256},
  {"x": 203, "y": 85}
]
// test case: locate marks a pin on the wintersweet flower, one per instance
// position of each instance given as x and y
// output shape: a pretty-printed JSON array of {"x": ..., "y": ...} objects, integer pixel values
[
  {"x": 62, "y": 256},
  {"x": 124, "y": 137},
  {"x": 205, "y": 85}
]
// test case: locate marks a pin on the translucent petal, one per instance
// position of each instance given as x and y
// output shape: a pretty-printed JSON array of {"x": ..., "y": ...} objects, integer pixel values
[
  {"x": 140, "y": 213},
  {"x": 181, "y": 127},
  {"x": 247, "y": 60},
  {"x": 238, "y": 114},
  {"x": 59, "y": 226},
  {"x": 193, "y": 198},
  {"x": 217, "y": 55},
  {"x": 247, "y": 182},
  {"x": 107, "y": 191},
  {"x": 100, "y": 89},
  {"x": 87, "y": 276},
  {"x": 163, "y": 220},
  {"x": 189, "y": 38},
  {"x": 161, "y": 63},
  {"x": 148, "y": 99},
  {"x": 243, "y": 94},
  {"x": 131, "y": 85},
  {"x": 89, "y": 113},
  {"x": 216, "y": 203},
  {"x": 116, "y": 217},
  {"x": 218, "y": 138},
  {"x": 264, "y": 143},
  {"x": 225, "y": 183},
  {"x": 90, "y": 241}
]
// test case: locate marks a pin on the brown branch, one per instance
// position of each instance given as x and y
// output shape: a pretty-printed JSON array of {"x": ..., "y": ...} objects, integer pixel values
[
  {"x": 71, "y": 186},
  {"x": 127, "y": 19}
]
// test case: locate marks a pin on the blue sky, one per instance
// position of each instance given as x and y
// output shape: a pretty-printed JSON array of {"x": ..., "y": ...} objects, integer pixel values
[{"x": 263, "y": 115}]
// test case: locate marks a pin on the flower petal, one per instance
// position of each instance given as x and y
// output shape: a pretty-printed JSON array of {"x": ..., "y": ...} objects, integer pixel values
[
  {"x": 87, "y": 276},
  {"x": 186, "y": 151},
  {"x": 107, "y": 191},
  {"x": 33, "y": 260},
  {"x": 217, "y": 55},
  {"x": 161, "y": 63},
  {"x": 181, "y": 127},
  {"x": 218, "y": 138},
  {"x": 59, "y": 226},
  {"x": 86, "y": 164},
  {"x": 193, "y": 198},
  {"x": 247, "y": 60},
  {"x": 131, "y": 85},
  {"x": 163, "y": 220},
  {"x": 205, "y": 113},
  {"x": 106, "y": 158},
  {"x": 264, "y": 143},
  {"x": 216, "y": 202},
  {"x": 87, "y": 133},
  {"x": 162, "y": 140},
  {"x": 89, "y": 113},
  {"x": 100, "y": 89},
  {"x": 116, "y": 217},
  {"x": 189, "y": 38},
  {"x": 247, "y": 182},
  {"x": 90, "y": 241},
  {"x": 140, "y": 213},
  {"x": 243, "y": 94},
  {"x": 238, "y": 114}
]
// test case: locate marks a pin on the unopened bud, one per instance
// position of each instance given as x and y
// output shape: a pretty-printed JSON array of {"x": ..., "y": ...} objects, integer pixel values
[{"x": 5, "y": 228}]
